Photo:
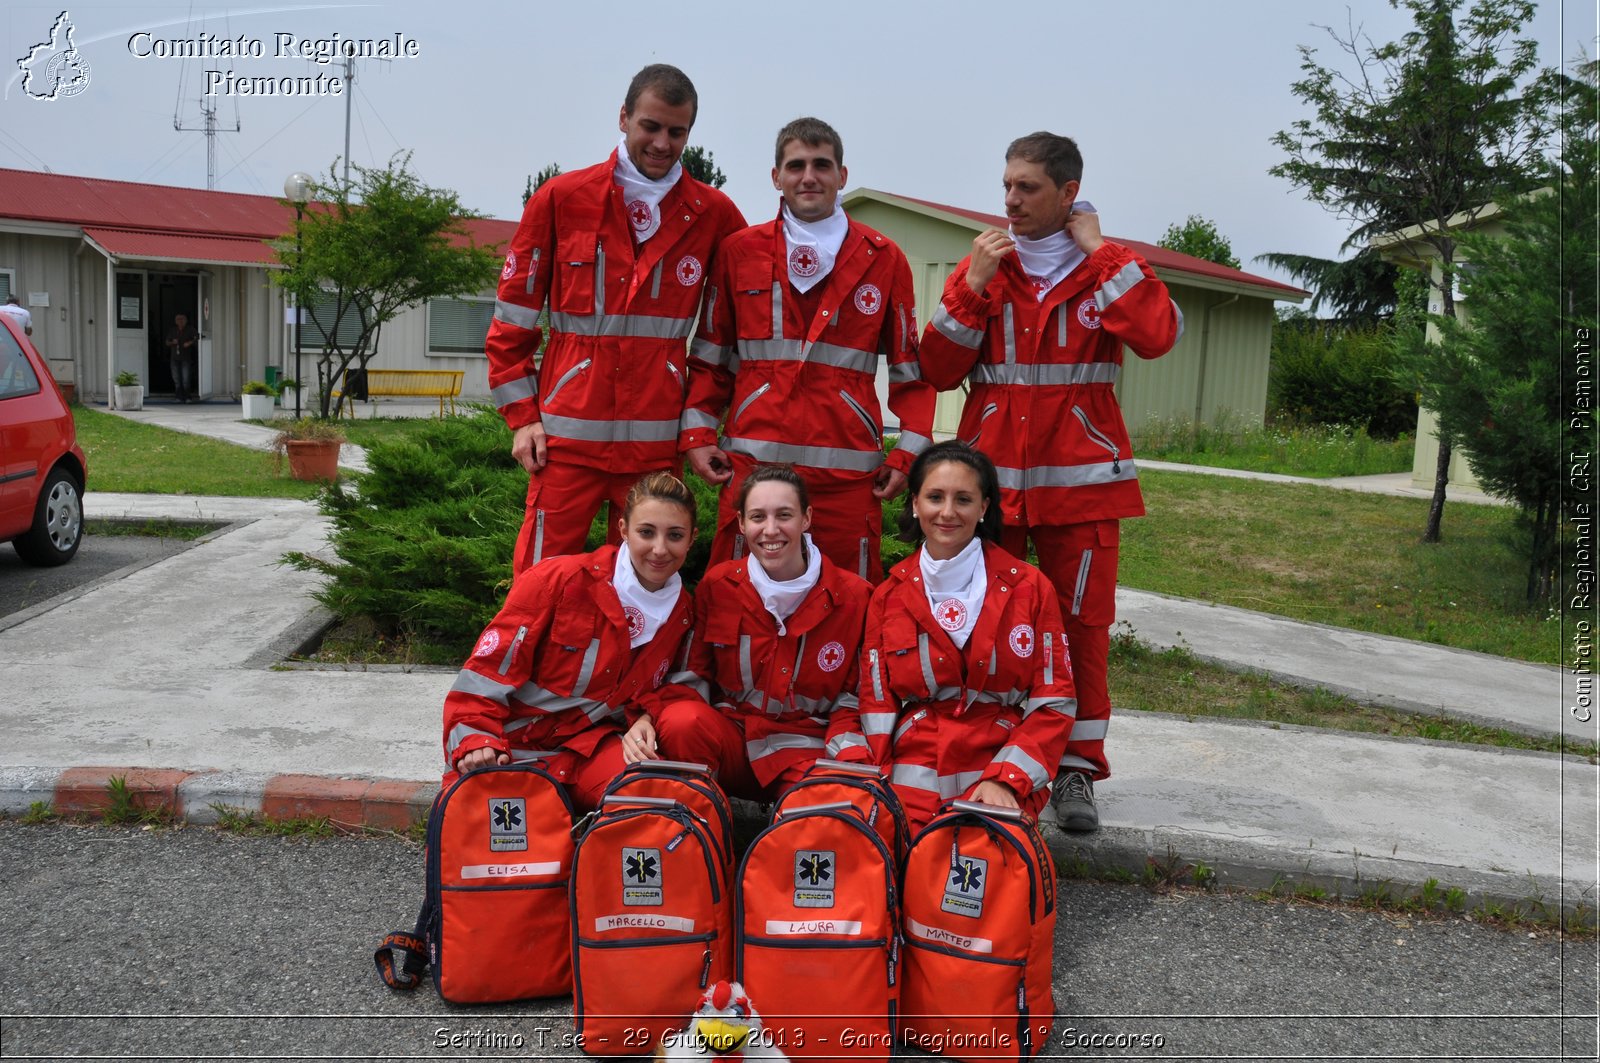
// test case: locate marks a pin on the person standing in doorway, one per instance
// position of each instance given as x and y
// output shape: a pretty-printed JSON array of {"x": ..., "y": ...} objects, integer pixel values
[{"x": 182, "y": 342}]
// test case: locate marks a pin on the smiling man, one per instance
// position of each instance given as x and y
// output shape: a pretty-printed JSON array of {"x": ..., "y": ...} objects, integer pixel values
[
  {"x": 618, "y": 253},
  {"x": 1035, "y": 320},
  {"x": 799, "y": 312}
]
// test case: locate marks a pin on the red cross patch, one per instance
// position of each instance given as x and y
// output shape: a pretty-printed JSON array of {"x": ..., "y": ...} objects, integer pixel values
[
  {"x": 869, "y": 300},
  {"x": 951, "y": 614},
  {"x": 640, "y": 215},
  {"x": 804, "y": 261},
  {"x": 510, "y": 268},
  {"x": 830, "y": 657},
  {"x": 635, "y": 621},
  {"x": 1040, "y": 284},
  {"x": 689, "y": 270},
  {"x": 1022, "y": 640},
  {"x": 488, "y": 644},
  {"x": 1088, "y": 314}
]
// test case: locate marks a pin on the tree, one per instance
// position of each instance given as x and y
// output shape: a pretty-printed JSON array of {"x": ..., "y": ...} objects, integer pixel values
[
  {"x": 374, "y": 246},
  {"x": 1359, "y": 290},
  {"x": 1198, "y": 236},
  {"x": 1499, "y": 379},
  {"x": 702, "y": 166},
  {"x": 535, "y": 180},
  {"x": 1425, "y": 132}
]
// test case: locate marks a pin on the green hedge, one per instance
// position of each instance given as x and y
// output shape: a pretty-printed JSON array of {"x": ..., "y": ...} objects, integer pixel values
[{"x": 1336, "y": 375}]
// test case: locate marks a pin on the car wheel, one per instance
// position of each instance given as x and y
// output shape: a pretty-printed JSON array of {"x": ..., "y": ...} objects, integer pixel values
[{"x": 57, "y": 522}]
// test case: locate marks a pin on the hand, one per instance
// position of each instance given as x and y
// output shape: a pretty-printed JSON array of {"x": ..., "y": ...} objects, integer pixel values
[
  {"x": 710, "y": 463},
  {"x": 639, "y": 743},
  {"x": 987, "y": 251},
  {"x": 1084, "y": 228},
  {"x": 528, "y": 446},
  {"x": 482, "y": 757},
  {"x": 990, "y": 792},
  {"x": 888, "y": 483}
]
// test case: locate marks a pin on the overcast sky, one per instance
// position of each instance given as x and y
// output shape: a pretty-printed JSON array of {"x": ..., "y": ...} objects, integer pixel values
[{"x": 1172, "y": 101}]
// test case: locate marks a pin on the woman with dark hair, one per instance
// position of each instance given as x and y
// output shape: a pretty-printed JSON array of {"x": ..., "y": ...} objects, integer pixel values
[
  {"x": 570, "y": 672},
  {"x": 771, "y": 683},
  {"x": 965, "y": 686}
]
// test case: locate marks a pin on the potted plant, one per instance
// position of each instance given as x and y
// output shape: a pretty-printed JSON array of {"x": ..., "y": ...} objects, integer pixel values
[
  {"x": 129, "y": 392},
  {"x": 287, "y": 393},
  {"x": 256, "y": 397},
  {"x": 312, "y": 445}
]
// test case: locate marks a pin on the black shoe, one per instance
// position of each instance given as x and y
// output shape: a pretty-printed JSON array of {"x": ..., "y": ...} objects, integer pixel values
[{"x": 1073, "y": 798}]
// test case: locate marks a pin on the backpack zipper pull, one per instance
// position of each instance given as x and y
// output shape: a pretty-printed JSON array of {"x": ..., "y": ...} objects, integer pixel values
[{"x": 705, "y": 970}]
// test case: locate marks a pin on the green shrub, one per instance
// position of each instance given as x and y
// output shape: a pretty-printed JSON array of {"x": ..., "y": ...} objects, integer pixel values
[{"x": 1330, "y": 374}]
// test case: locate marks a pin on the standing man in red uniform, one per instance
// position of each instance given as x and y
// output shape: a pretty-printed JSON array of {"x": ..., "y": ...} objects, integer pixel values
[
  {"x": 1035, "y": 320},
  {"x": 619, "y": 253},
  {"x": 798, "y": 313}
]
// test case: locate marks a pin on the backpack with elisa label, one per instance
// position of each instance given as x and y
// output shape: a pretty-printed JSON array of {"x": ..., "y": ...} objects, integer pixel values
[
  {"x": 818, "y": 932},
  {"x": 692, "y": 786},
  {"x": 980, "y": 918},
  {"x": 494, "y": 921},
  {"x": 649, "y": 906},
  {"x": 861, "y": 785}
]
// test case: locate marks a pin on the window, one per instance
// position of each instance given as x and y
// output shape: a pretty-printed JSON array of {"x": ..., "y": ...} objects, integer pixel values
[
  {"x": 458, "y": 326},
  {"x": 8, "y": 283},
  {"x": 325, "y": 309},
  {"x": 16, "y": 373}
]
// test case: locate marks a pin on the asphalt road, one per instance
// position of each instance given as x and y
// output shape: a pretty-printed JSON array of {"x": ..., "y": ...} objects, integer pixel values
[
  {"x": 23, "y": 586},
  {"x": 200, "y": 944}
]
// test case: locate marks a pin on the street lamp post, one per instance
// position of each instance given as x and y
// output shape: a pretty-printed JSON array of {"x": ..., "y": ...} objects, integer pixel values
[{"x": 297, "y": 190}]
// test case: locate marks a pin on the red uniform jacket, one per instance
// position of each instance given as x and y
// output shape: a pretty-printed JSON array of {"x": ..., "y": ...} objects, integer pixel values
[
  {"x": 611, "y": 383},
  {"x": 1001, "y": 707},
  {"x": 1041, "y": 403},
  {"x": 794, "y": 695},
  {"x": 554, "y": 668},
  {"x": 806, "y": 393}
]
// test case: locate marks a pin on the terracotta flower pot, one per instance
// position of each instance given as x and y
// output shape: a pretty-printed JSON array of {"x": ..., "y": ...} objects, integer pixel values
[{"x": 313, "y": 459}]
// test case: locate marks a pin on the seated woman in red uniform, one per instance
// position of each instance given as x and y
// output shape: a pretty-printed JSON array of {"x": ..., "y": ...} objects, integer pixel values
[
  {"x": 964, "y": 652},
  {"x": 776, "y": 641},
  {"x": 570, "y": 671}
]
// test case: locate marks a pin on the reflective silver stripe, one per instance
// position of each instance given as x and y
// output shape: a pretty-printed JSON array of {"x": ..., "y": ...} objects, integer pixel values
[
  {"x": 861, "y": 412},
  {"x": 998, "y": 697},
  {"x": 1072, "y": 763},
  {"x": 846, "y": 700},
  {"x": 533, "y": 696},
  {"x": 877, "y": 690},
  {"x": 762, "y": 747},
  {"x": 1061, "y": 325},
  {"x": 1015, "y": 757},
  {"x": 693, "y": 682},
  {"x": 1009, "y": 330},
  {"x": 1083, "y": 582},
  {"x": 512, "y": 391},
  {"x": 655, "y": 282},
  {"x": 753, "y": 396},
  {"x": 533, "y": 269},
  {"x": 752, "y": 699},
  {"x": 903, "y": 372},
  {"x": 460, "y": 733},
  {"x": 839, "y": 743},
  {"x": 1176, "y": 309},
  {"x": 1118, "y": 286},
  {"x": 1048, "y": 375},
  {"x": 927, "y": 664},
  {"x": 905, "y": 335},
  {"x": 586, "y": 669},
  {"x": 538, "y": 536},
  {"x": 912, "y": 443},
  {"x": 994, "y": 661},
  {"x": 1095, "y": 434},
  {"x": 814, "y": 457},
  {"x": 566, "y": 378},
  {"x": 522, "y": 756},
  {"x": 861, "y": 560},
  {"x": 693, "y": 418},
  {"x": 476, "y": 683},
  {"x": 630, "y": 326},
  {"x": 704, "y": 350},
  {"x": 1066, "y": 475},
  {"x": 954, "y": 331},
  {"x": 907, "y": 724},
  {"x": 511, "y": 651},
  {"x": 746, "y": 673},
  {"x": 1065, "y": 706},
  {"x": 988, "y": 412},
  {"x": 920, "y": 778},
  {"x": 832, "y": 354},
  {"x": 612, "y": 431},
  {"x": 877, "y": 723},
  {"x": 711, "y": 302},
  {"x": 777, "y": 309},
  {"x": 599, "y": 286},
  {"x": 512, "y": 314},
  {"x": 1049, "y": 658},
  {"x": 1090, "y": 730}
]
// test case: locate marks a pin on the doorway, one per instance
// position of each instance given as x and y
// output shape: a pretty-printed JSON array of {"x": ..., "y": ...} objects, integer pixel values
[{"x": 170, "y": 294}]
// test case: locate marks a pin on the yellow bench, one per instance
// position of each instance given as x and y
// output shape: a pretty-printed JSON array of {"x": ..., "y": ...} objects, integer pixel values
[{"x": 441, "y": 384}]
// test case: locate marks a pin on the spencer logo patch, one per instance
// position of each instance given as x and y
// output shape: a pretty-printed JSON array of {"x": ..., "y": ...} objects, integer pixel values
[
  {"x": 1089, "y": 314},
  {"x": 815, "y": 871},
  {"x": 1022, "y": 640},
  {"x": 641, "y": 876},
  {"x": 508, "y": 825},
  {"x": 830, "y": 657},
  {"x": 965, "y": 886}
]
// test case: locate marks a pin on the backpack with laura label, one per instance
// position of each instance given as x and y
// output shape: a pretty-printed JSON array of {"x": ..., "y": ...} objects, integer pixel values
[
  {"x": 649, "y": 908},
  {"x": 818, "y": 932},
  {"x": 494, "y": 921},
  {"x": 979, "y": 918},
  {"x": 863, "y": 786}
]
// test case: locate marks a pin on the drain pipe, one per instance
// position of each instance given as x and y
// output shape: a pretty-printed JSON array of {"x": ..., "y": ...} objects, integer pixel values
[
  {"x": 75, "y": 318},
  {"x": 1205, "y": 350}
]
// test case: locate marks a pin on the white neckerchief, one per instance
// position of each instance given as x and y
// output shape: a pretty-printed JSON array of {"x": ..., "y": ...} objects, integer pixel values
[
  {"x": 646, "y": 610},
  {"x": 641, "y": 195},
  {"x": 1048, "y": 261},
  {"x": 782, "y": 598},
  {"x": 956, "y": 589},
  {"x": 813, "y": 246}
]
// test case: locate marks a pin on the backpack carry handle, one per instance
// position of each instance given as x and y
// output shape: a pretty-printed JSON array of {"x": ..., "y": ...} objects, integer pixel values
[
  {"x": 993, "y": 811},
  {"x": 831, "y": 806},
  {"x": 629, "y": 799},
  {"x": 845, "y": 767},
  {"x": 683, "y": 767}
]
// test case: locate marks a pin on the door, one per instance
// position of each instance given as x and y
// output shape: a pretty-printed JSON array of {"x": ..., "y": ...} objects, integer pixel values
[{"x": 171, "y": 294}]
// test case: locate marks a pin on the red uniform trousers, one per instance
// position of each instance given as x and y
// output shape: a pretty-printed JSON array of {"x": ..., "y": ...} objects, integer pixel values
[
  {"x": 562, "y": 501},
  {"x": 585, "y": 778},
  {"x": 846, "y": 520},
  {"x": 1081, "y": 562},
  {"x": 693, "y": 731}
]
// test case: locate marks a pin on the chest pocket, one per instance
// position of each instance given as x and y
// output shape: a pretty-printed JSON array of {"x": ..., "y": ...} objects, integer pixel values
[
  {"x": 908, "y": 659},
  {"x": 577, "y": 269},
  {"x": 576, "y": 622},
  {"x": 757, "y": 301}
]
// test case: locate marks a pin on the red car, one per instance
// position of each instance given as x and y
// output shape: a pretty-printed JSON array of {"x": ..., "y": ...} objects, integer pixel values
[{"x": 42, "y": 468}]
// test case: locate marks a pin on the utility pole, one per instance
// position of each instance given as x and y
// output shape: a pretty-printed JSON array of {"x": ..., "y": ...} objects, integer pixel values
[
  {"x": 208, "y": 126},
  {"x": 349, "y": 97}
]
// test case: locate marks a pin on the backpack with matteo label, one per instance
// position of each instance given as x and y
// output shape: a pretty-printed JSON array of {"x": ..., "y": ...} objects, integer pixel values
[
  {"x": 494, "y": 921},
  {"x": 980, "y": 917}
]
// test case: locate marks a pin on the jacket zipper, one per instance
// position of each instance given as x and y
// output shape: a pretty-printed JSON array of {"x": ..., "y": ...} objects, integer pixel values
[
  {"x": 674, "y": 371},
  {"x": 910, "y": 722},
  {"x": 505, "y": 665},
  {"x": 866, "y": 418},
  {"x": 566, "y": 377},
  {"x": 754, "y": 395},
  {"x": 988, "y": 412},
  {"x": 533, "y": 270},
  {"x": 1101, "y": 438},
  {"x": 599, "y": 285}
]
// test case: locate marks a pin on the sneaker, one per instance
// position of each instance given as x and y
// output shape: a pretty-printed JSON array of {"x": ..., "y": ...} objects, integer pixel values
[{"x": 1073, "y": 798}]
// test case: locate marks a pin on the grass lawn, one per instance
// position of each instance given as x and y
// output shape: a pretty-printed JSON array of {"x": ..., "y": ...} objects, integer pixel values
[
  {"x": 1280, "y": 447},
  {"x": 143, "y": 459}
]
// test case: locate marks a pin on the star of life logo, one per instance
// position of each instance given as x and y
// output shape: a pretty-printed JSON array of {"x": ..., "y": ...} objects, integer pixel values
[
  {"x": 54, "y": 69},
  {"x": 635, "y": 620},
  {"x": 488, "y": 644},
  {"x": 964, "y": 888},
  {"x": 815, "y": 872},
  {"x": 689, "y": 271},
  {"x": 510, "y": 269},
  {"x": 869, "y": 300},
  {"x": 1022, "y": 641},
  {"x": 640, "y": 216},
  {"x": 830, "y": 657},
  {"x": 1089, "y": 314},
  {"x": 508, "y": 824},
  {"x": 804, "y": 261},
  {"x": 641, "y": 876},
  {"x": 951, "y": 614}
]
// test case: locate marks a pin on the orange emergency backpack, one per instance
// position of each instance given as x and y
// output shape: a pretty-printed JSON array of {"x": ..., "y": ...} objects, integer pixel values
[
  {"x": 863, "y": 786},
  {"x": 980, "y": 918},
  {"x": 818, "y": 933},
  {"x": 692, "y": 786}
]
